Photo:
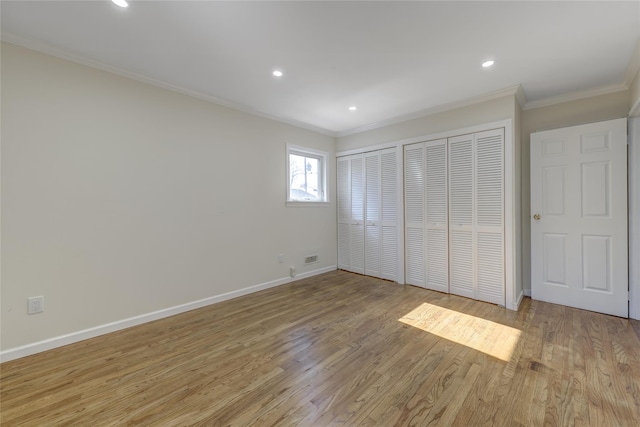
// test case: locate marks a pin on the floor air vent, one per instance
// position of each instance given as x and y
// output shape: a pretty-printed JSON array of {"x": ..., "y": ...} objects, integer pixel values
[{"x": 310, "y": 259}]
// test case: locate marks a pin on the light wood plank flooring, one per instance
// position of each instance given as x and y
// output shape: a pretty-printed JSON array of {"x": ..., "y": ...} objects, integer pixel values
[{"x": 340, "y": 349}]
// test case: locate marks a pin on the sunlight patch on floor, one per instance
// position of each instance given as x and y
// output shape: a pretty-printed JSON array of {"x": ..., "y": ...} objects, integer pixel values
[{"x": 483, "y": 335}]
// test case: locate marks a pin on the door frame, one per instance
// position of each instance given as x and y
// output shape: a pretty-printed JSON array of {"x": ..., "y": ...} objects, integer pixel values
[
  {"x": 629, "y": 209},
  {"x": 633, "y": 158}
]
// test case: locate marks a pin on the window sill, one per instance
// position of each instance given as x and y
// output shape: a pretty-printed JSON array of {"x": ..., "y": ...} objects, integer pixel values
[{"x": 306, "y": 204}]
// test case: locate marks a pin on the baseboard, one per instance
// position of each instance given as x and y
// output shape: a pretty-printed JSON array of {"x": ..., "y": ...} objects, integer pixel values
[
  {"x": 51, "y": 343},
  {"x": 515, "y": 305},
  {"x": 527, "y": 292},
  {"x": 519, "y": 300}
]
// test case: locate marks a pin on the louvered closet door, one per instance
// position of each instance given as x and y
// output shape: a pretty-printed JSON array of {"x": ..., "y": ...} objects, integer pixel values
[
  {"x": 389, "y": 212},
  {"x": 344, "y": 213},
  {"x": 372, "y": 237},
  {"x": 357, "y": 214},
  {"x": 489, "y": 216},
  {"x": 414, "y": 163},
  {"x": 461, "y": 214},
  {"x": 436, "y": 218}
]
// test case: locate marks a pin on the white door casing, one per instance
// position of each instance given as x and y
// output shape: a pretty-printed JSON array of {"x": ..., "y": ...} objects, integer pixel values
[
  {"x": 634, "y": 216},
  {"x": 579, "y": 217}
]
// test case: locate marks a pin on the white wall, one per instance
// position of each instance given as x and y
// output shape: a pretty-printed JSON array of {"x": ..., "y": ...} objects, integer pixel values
[{"x": 120, "y": 199}]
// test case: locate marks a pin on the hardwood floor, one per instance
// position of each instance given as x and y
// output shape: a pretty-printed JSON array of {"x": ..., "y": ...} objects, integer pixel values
[
  {"x": 340, "y": 349},
  {"x": 636, "y": 326}
]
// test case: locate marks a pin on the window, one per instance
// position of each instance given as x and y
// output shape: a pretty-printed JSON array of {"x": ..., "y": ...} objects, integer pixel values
[{"x": 306, "y": 173}]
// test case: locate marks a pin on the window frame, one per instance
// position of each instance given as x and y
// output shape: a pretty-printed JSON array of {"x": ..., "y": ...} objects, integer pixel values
[{"x": 323, "y": 158}]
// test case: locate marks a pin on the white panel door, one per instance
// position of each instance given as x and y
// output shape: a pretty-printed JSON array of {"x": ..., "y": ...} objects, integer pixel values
[
  {"x": 462, "y": 263},
  {"x": 436, "y": 216},
  {"x": 389, "y": 213},
  {"x": 373, "y": 203},
  {"x": 356, "y": 226},
  {"x": 414, "y": 163},
  {"x": 579, "y": 217},
  {"x": 344, "y": 213}
]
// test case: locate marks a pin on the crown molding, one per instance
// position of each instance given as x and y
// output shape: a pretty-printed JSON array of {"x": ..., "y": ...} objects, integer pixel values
[
  {"x": 633, "y": 67},
  {"x": 575, "y": 96},
  {"x": 635, "y": 110},
  {"x": 521, "y": 97},
  {"x": 516, "y": 91},
  {"x": 630, "y": 73},
  {"x": 509, "y": 91},
  {"x": 62, "y": 54}
]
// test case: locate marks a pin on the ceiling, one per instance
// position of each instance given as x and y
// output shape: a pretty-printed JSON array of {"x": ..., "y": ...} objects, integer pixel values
[{"x": 390, "y": 59}]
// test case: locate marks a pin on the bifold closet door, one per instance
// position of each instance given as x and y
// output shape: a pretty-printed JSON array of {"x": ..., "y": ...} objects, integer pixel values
[
  {"x": 436, "y": 216},
  {"x": 389, "y": 213},
  {"x": 351, "y": 213},
  {"x": 489, "y": 216},
  {"x": 372, "y": 237},
  {"x": 368, "y": 213},
  {"x": 414, "y": 168},
  {"x": 461, "y": 247},
  {"x": 476, "y": 216},
  {"x": 381, "y": 206},
  {"x": 344, "y": 213},
  {"x": 356, "y": 226}
]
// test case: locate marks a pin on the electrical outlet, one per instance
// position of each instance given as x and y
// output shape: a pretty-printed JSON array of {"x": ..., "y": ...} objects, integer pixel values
[
  {"x": 292, "y": 271},
  {"x": 280, "y": 258},
  {"x": 35, "y": 305}
]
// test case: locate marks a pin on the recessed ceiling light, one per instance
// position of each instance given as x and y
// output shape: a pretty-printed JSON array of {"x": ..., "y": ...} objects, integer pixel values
[
  {"x": 277, "y": 73},
  {"x": 487, "y": 64},
  {"x": 353, "y": 108},
  {"x": 121, "y": 3}
]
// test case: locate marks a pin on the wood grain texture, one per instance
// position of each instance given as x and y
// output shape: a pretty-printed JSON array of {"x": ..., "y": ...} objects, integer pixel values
[
  {"x": 339, "y": 349},
  {"x": 636, "y": 326}
]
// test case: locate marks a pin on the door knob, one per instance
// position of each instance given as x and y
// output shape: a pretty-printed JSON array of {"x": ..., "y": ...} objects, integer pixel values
[{"x": 537, "y": 217}]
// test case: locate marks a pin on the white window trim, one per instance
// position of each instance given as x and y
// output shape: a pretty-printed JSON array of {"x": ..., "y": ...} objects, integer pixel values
[{"x": 324, "y": 158}]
